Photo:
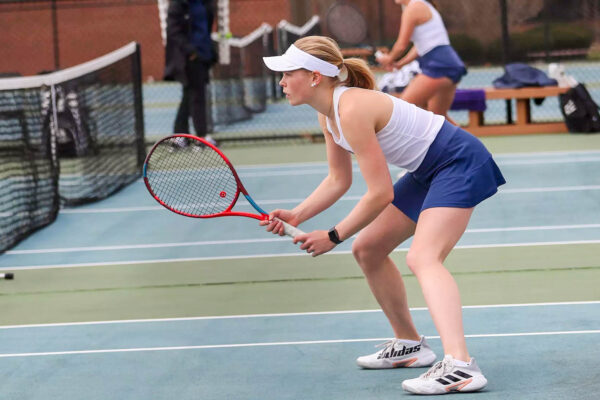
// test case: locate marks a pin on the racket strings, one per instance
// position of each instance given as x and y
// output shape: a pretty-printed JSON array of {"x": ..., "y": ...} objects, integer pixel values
[
  {"x": 347, "y": 24},
  {"x": 192, "y": 179}
]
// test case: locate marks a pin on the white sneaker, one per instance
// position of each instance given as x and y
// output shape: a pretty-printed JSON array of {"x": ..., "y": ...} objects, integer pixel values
[
  {"x": 397, "y": 353},
  {"x": 445, "y": 377},
  {"x": 180, "y": 142},
  {"x": 211, "y": 140}
]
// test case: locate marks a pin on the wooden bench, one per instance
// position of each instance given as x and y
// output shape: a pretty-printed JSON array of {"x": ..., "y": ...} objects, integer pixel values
[
  {"x": 359, "y": 52},
  {"x": 363, "y": 53},
  {"x": 560, "y": 54},
  {"x": 523, "y": 124}
]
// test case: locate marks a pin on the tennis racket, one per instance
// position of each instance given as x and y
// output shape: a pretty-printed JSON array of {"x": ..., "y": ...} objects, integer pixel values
[
  {"x": 347, "y": 24},
  {"x": 191, "y": 177}
]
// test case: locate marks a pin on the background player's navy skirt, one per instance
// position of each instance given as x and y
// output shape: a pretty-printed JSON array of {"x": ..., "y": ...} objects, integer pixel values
[
  {"x": 442, "y": 61},
  {"x": 458, "y": 171}
]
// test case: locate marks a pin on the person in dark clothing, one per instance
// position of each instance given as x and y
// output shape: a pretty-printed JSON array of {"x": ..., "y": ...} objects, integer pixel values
[{"x": 188, "y": 57}]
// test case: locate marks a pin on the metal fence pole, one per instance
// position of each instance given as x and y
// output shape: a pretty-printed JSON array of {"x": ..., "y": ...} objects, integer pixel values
[
  {"x": 505, "y": 35},
  {"x": 380, "y": 22},
  {"x": 505, "y": 51},
  {"x": 55, "y": 35},
  {"x": 546, "y": 16}
]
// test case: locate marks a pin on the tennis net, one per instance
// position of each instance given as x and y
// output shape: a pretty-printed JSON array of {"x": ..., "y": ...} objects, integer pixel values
[
  {"x": 86, "y": 122},
  {"x": 28, "y": 170}
]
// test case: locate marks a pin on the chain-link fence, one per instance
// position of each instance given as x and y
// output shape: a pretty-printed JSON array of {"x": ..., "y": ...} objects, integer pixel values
[{"x": 245, "y": 100}]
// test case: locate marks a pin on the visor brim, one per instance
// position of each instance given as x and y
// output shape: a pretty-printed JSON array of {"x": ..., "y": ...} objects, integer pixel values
[{"x": 280, "y": 64}]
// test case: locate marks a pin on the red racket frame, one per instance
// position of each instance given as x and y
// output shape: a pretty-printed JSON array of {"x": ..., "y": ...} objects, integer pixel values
[{"x": 263, "y": 216}]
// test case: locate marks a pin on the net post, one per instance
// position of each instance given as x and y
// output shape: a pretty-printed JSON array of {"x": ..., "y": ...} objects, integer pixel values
[{"x": 136, "y": 73}]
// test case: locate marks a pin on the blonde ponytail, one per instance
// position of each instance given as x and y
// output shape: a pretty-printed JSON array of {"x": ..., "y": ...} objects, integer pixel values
[
  {"x": 359, "y": 74},
  {"x": 325, "y": 48}
]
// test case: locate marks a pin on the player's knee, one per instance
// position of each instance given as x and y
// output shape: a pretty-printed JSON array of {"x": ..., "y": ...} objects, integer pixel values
[
  {"x": 359, "y": 250},
  {"x": 365, "y": 254},
  {"x": 416, "y": 260}
]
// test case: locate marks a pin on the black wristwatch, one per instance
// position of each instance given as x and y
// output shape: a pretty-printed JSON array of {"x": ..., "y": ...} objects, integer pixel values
[{"x": 334, "y": 236}]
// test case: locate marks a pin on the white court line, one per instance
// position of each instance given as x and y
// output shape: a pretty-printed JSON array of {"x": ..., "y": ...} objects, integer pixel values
[
  {"x": 550, "y": 189},
  {"x": 321, "y": 170},
  {"x": 554, "y": 157},
  {"x": 322, "y": 167},
  {"x": 280, "y": 315},
  {"x": 270, "y": 240},
  {"x": 243, "y": 203},
  {"x": 501, "y": 162},
  {"x": 296, "y": 169},
  {"x": 497, "y": 156},
  {"x": 146, "y": 246},
  {"x": 269, "y": 344},
  {"x": 299, "y": 253},
  {"x": 547, "y": 153}
]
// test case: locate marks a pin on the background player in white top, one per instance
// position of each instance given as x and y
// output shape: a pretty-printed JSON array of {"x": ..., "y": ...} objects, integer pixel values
[
  {"x": 441, "y": 68},
  {"x": 450, "y": 171}
]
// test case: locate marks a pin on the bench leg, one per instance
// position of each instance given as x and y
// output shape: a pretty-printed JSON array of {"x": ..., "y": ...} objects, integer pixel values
[
  {"x": 475, "y": 119},
  {"x": 509, "y": 116},
  {"x": 523, "y": 112}
]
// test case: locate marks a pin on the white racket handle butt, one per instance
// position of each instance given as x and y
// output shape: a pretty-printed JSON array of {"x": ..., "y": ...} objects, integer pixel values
[{"x": 290, "y": 230}]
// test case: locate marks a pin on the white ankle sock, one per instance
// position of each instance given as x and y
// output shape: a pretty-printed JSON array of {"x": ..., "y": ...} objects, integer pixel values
[
  {"x": 460, "y": 363},
  {"x": 411, "y": 342}
]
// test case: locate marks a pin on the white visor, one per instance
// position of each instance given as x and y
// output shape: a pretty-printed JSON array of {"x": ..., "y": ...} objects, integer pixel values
[{"x": 294, "y": 59}]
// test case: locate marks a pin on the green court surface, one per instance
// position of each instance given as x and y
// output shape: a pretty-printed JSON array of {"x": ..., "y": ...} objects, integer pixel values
[{"x": 122, "y": 299}]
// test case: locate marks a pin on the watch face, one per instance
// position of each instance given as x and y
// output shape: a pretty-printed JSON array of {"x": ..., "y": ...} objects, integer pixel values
[{"x": 334, "y": 237}]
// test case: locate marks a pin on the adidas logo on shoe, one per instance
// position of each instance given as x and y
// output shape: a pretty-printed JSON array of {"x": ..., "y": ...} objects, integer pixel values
[{"x": 397, "y": 353}]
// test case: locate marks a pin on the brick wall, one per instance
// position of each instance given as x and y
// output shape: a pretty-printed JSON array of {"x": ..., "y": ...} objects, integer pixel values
[
  {"x": 91, "y": 28},
  {"x": 84, "y": 33},
  {"x": 247, "y": 15}
]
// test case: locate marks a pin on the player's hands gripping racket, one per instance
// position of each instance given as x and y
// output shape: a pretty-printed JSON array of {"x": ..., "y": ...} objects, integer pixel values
[{"x": 189, "y": 176}]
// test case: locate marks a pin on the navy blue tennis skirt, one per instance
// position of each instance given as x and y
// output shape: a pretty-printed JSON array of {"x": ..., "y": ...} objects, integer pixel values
[
  {"x": 442, "y": 61},
  {"x": 458, "y": 171}
]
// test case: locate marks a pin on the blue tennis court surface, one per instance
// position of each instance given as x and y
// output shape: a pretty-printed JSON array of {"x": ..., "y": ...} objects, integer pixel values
[
  {"x": 123, "y": 299},
  {"x": 546, "y": 351},
  {"x": 550, "y": 198}
]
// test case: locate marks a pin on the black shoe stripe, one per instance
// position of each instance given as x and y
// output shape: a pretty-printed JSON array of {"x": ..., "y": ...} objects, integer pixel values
[
  {"x": 452, "y": 378},
  {"x": 463, "y": 374},
  {"x": 442, "y": 381}
]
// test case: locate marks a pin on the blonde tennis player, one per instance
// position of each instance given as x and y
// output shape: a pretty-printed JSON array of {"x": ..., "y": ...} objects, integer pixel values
[
  {"x": 441, "y": 67},
  {"x": 449, "y": 172}
]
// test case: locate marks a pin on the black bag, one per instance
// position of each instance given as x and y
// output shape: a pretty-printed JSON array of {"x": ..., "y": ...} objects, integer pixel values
[
  {"x": 579, "y": 110},
  {"x": 73, "y": 138}
]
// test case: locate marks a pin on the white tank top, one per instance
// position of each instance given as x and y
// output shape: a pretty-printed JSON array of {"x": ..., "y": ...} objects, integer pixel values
[
  {"x": 406, "y": 137},
  {"x": 430, "y": 34}
]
